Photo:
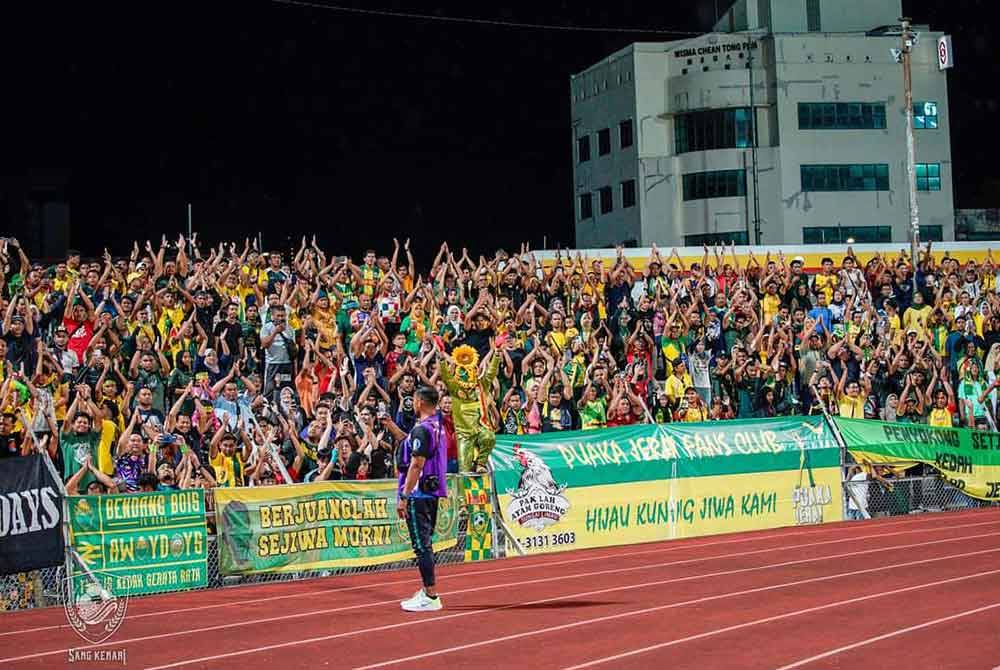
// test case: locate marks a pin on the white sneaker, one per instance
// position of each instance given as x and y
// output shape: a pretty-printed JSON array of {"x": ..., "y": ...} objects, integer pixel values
[{"x": 421, "y": 602}]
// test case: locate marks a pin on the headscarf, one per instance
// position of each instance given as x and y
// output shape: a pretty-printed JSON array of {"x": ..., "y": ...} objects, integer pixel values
[{"x": 888, "y": 412}]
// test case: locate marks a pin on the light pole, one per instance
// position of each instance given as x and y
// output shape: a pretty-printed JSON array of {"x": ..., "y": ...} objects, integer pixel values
[
  {"x": 753, "y": 152},
  {"x": 909, "y": 39}
]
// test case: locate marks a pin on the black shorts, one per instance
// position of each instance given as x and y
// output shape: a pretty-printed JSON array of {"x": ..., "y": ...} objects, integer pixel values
[{"x": 421, "y": 517}]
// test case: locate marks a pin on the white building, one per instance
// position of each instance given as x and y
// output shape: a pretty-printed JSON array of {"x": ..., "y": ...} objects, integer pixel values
[{"x": 662, "y": 132}]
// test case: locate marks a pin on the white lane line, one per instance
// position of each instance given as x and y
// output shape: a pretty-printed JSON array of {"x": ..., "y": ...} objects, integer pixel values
[
  {"x": 647, "y": 610},
  {"x": 238, "y": 603},
  {"x": 522, "y": 583},
  {"x": 886, "y": 636},
  {"x": 424, "y": 622},
  {"x": 777, "y": 617},
  {"x": 680, "y": 546}
]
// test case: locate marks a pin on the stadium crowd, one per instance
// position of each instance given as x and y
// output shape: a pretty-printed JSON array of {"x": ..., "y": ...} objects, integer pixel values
[{"x": 187, "y": 366}]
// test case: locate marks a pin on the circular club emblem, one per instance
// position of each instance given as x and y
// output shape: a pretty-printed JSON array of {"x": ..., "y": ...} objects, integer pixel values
[
  {"x": 92, "y": 610},
  {"x": 403, "y": 531},
  {"x": 480, "y": 524},
  {"x": 446, "y": 518},
  {"x": 443, "y": 528}
]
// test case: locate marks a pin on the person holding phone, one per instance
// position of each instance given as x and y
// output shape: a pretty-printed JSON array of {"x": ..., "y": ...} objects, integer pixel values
[{"x": 423, "y": 464}]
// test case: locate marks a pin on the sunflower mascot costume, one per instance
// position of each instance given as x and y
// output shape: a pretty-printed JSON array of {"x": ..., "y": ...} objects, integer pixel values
[{"x": 470, "y": 394}]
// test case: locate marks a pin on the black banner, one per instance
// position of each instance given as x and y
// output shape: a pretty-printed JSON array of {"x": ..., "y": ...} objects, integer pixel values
[{"x": 31, "y": 515}]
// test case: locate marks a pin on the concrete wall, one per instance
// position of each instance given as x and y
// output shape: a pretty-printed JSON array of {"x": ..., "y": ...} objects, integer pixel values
[
  {"x": 841, "y": 16},
  {"x": 608, "y": 91},
  {"x": 815, "y": 68},
  {"x": 709, "y": 72},
  {"x": 667, "y": 218},
  {"x": 790, "y": 16}
]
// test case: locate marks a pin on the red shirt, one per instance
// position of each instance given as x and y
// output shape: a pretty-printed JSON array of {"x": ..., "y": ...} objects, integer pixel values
[
  {"x": 80, "y": 335},
  {"x": 392, "y": 362},
  {"x": 449, "y": 430},
  {"x": 626, "y": 420},
  {"x": 324, "y": 375}
]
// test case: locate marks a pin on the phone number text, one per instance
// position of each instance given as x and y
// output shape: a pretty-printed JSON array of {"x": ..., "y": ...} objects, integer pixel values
[{"x": 553, "y": 540}]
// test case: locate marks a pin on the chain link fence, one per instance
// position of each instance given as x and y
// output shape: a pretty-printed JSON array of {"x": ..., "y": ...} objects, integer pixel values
[
  {"x": 44, "y": 588},
  {"x": 870, "y": 498},
  {"x": 866, "y": 498}
]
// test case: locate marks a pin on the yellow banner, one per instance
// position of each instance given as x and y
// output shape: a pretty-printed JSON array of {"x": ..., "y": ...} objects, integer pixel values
[
  {"x": 319, "y": 526},
  {"x": 812, "y": 255},
  {"x": 651, "y": 511}
]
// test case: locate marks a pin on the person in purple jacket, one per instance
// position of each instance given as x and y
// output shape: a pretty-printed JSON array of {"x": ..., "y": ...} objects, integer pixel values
[{"x": 423, "y": 464}]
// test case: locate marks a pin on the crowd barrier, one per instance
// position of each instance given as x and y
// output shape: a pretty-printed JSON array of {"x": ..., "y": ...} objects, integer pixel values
[
  {"x": 907, "y": 495},
  {"x": 547, "y": 493}
]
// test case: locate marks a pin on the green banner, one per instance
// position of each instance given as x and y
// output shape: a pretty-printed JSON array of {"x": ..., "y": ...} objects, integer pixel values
[
  {"x": 967, "y": 459},
  {"x": 479, "y": 506},
  {"x": 142, "y": 542},
  {"x": 645, "y": 452},
  {"x": 570, "y": 490},
  {"x": 320, "y": 526}
]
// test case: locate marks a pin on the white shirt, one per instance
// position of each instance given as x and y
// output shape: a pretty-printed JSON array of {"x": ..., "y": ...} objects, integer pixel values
[{"x": 860, "y": 492}]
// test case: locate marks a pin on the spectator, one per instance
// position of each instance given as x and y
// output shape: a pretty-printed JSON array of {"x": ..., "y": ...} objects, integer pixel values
[{"x": 182, "y": 366}]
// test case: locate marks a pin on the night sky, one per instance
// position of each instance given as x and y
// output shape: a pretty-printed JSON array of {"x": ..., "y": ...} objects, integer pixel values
[{"x": 292, "y": 120}]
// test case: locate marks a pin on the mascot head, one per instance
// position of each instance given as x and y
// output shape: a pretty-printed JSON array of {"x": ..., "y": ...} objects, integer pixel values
[{"x": 466, "y": 364}]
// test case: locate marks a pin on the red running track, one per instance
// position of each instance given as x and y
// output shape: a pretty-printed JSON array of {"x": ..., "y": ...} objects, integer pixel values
[{"x": 923, "y": 592}]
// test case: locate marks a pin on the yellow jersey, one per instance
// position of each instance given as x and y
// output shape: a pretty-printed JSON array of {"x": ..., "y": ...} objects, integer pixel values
[
  {"x": 770, "y": 305},
  {"x": 826, "y": 284},
  {"x": 675, "y": 386},
  {"x": 694, "y": 414},
  {"x": 940, "y": 418},
  {"x": 851, "y": 408},
  {"x": 916, "y": 318},
  {"x": 229, "y": 470}
]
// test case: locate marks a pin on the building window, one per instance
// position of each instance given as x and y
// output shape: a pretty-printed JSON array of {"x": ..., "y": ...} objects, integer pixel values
[
  {"x": 628, "y": 193},
  {"x": 607, "y": 200},
  {"x": 625, "y": 133},
  {"x": 925, "y": 115},
  {"x": 873, "y": 177},
  {"x": 583, "y": 148},
  {"x": 931, "y": 234},
  {"x": 713, "y": 239},
  {"x": 841, "y": 116},
  {"x": 812, "y": 16},
  {"x": 603, "y": 142},
  {"x": 715, "y": 129},
  {"x": 586, "y": 206},
  {"x": 841, "y": 234},
  {"x": 928, "y": 176},
  {"x": 719, "y": 184}
]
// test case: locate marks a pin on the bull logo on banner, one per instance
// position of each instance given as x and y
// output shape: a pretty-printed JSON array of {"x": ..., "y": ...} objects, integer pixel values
[{"x": 538, "y": 501}]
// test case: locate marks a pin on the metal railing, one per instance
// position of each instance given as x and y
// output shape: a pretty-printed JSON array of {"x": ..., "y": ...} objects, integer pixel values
[
  {"x": 44, "y": 588},
  {"x": 870, "y": 498},
  {"x": 867, "y": 498}
]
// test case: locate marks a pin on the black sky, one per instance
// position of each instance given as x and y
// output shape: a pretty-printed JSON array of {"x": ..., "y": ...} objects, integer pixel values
[{"x": 294, "y": 120}]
